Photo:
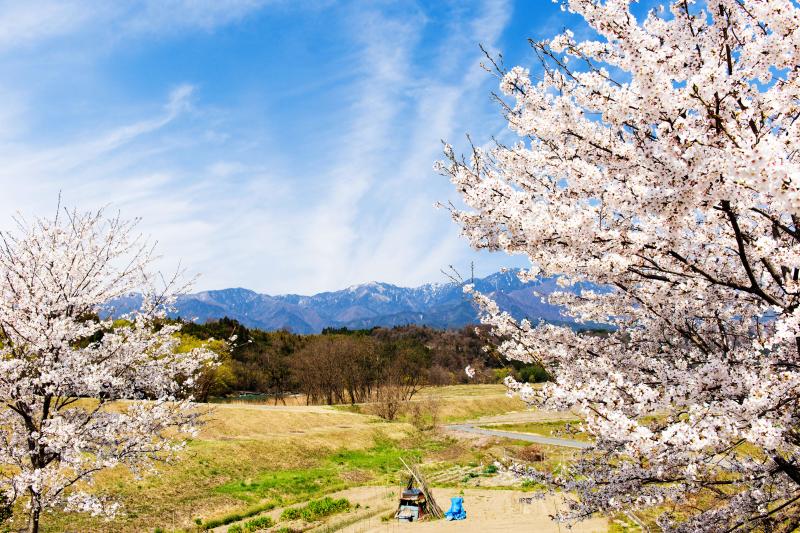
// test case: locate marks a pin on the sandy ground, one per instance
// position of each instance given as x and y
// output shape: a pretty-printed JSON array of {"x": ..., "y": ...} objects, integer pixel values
[{"x": 487, "y": 511}]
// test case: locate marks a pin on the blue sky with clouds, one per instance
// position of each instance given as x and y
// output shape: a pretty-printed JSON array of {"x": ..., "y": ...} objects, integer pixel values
[{"x": 279, "y": 146}]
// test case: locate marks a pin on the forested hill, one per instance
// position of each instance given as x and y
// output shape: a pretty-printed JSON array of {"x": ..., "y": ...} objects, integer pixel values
[{"x": 442, "y": 305}]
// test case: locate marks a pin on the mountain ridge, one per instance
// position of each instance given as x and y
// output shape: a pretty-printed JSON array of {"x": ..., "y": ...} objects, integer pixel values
[{"x": 363, "y": 306}]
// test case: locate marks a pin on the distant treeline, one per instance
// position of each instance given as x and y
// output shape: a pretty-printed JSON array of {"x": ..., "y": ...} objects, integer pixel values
[{"x": 343, "y": 365}]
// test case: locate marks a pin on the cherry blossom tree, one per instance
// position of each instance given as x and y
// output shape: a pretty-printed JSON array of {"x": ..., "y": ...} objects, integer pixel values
[
  {"x": 81, "y": 394},
  {"x": 659, "y": 160}
]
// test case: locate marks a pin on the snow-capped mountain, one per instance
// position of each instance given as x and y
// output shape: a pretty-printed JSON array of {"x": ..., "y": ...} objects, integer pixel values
[{"x": 440, "y": 305}]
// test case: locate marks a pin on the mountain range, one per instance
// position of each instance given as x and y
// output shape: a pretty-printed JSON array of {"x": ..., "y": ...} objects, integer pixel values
[{"x": 439, "y": 305}]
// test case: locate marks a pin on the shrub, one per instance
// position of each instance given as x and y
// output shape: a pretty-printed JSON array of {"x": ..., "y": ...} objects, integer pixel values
[
  {"x": 531, "y": 454},
  {"x": 235, "y": 517},
  {"x": 425, "y": 413},
  {"x": 439, "y": 375},
  {"x": 324, "y": 507},
  {"x": 389, "y": 400},
  {"x": 533, "y": 374},
  {"x": 316, "y": 509},
  {"x": 236, "y": 528},
  {"x": 500, "y": 374},
  {"x": 292, "y": 513},
  {"x": 262, "y": 522}
]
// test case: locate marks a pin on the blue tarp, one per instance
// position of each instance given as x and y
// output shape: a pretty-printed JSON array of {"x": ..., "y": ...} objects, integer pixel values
[{"x": 456, "y": 511}]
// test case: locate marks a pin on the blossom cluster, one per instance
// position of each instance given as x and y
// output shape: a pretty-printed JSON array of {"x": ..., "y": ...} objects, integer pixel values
[
  {"x": 82, "y": 393},
  {"x": 660, "y": 161}
]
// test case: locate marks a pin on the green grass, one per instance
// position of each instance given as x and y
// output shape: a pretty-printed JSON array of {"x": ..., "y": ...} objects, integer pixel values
[
  {"x": 262, "y": 522},
  {"x": 380, "y": 461},
  {"x": 284, "y": 484},
  {"x": 555, "y": 428},
  {"x": 384, "y": 455},
  {"x": 249, "y": 459},
  {"x": 236, "y": 517},
  {"x": 357, "y": 408},
  {"x": 316, "y": 509}
]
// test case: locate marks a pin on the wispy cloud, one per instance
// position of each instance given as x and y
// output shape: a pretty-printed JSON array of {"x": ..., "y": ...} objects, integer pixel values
[
  {"x": 44, "y": 164},
  {"x": 28, "y": 23},
  {"x": 314, "y": 174},
  {"x": 35, "y": 22}
]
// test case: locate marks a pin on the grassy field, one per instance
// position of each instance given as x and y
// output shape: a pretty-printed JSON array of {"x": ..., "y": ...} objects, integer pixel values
[
  {"x": 253, "y": 457},
  {"x": 452, "y": 404},
  {"x": 566, "y": 429}
]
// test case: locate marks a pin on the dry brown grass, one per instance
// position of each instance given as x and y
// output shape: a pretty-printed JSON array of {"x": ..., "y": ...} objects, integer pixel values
[
  {"x": 239, "y": 422},
  {"x": 238, "y": 442},
  {"x": 463, "y": 402},
  {"x": 531, "y": 454},
  {"x": 289, "y": 400},
  {"x": 242, "y": 441}
]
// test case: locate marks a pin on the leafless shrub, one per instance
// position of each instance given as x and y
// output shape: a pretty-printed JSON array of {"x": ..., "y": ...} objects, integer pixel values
[
  {"x": 531, "y": 454},
  {"x": 424, "y": 413}
]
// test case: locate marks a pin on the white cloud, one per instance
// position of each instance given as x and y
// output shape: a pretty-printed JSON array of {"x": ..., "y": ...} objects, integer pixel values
[
  {"x": 27, "y": 23},
  {"x": 34, "y": 22},
  {"x": 41, "y": 164},
  {"x": 221, "y": 198},
  {"x": 166, "y": 16}
]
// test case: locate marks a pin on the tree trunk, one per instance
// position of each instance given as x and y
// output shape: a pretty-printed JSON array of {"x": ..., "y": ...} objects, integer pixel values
[
  {"x": 788, "y": 468},
  {"x": 36, "y": 509}
]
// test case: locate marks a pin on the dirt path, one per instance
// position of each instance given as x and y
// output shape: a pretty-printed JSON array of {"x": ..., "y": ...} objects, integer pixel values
[
  {"x": 520, "y": 417},
  {"x": 492, "y": 511},
  {"x": 529, "y": 437}
]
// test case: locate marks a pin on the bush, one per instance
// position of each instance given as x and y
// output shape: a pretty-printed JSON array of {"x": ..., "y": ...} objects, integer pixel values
[
  {"x": 262, "y": 522},
  {"x": 439, "y": 375},
  {"x": 235, "y": 517},
  {"x": 531, "y": 454},
  {"x": 532, "y": 374},
  {"x": 500, "y": 374},
  {"x": 324, "y": 507},
  {"x": 389, "y": 400},
  {"x": 236, "y": 528},
  {"x": 292, "y": 513},
  {"x": 316, "y": 509},
  {"x": 425, "y": 413}
]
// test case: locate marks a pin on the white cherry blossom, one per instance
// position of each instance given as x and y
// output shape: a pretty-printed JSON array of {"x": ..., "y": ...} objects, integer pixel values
[
  {"x": 660, "y": 161},
  {"x": 81, "y": 394},
  {"x": 469, "y": 371}
]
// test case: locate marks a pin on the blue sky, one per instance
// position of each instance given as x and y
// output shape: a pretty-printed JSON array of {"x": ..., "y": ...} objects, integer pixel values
[{"x": 279, "y": 146}]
